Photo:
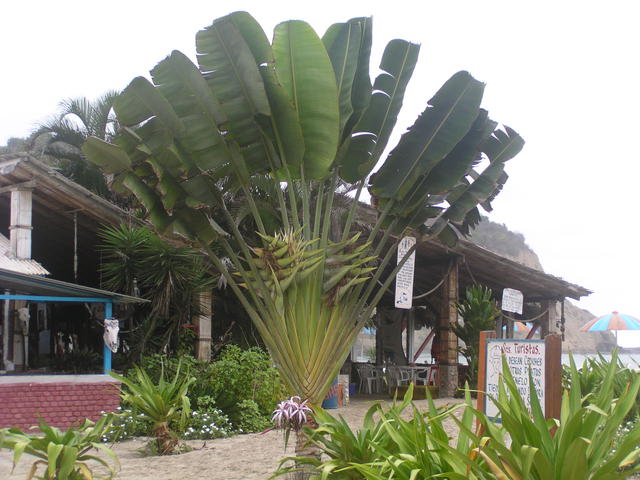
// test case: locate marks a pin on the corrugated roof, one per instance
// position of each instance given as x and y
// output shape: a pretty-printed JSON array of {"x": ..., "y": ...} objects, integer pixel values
[
  {"x": 22, "y": 284},
  {"x": 30, "y": 267}
]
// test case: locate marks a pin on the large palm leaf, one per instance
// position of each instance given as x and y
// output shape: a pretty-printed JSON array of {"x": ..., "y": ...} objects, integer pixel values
[{"x": 301, "y": 114}]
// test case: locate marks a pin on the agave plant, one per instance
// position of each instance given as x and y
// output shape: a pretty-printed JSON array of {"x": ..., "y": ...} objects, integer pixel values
[
  {"x": 63, "y": 455},
  {"x": 161, "y": 403},
  {"x": 301, "y": 113}
]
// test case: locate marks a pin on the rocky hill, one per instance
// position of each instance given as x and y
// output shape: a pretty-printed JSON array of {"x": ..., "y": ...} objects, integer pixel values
[{"x": 499, "y": 239}]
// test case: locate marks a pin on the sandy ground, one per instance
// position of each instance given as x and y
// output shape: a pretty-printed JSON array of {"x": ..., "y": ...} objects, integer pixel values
[{"x": 242, "y": 457}]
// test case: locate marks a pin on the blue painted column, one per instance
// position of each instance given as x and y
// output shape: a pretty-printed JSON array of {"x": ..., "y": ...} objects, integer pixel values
[{"x": 108, "y": 312}]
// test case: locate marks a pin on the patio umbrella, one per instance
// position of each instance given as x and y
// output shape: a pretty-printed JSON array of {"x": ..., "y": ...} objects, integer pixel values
[{"x": 612, "y": 321}]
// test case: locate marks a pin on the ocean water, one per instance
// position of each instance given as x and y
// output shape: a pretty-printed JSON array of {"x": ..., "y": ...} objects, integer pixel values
[{"x": 631, "y": 360}]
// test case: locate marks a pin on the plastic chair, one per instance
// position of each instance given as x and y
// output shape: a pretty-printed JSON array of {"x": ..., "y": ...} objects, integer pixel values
[
  {"x": 370, "y": 379},
  {"x": 374, "y": 381}
]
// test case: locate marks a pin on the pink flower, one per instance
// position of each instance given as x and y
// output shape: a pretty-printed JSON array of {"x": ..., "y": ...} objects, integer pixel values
[{"x": 291, "y": 414}]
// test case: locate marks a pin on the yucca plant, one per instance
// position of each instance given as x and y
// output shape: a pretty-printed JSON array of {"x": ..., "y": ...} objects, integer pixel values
[
  {"x": 62, "y": 455},
  {"x": 161, "y": 403},
  {"x": 301, "y": 113},
  {"x": 578, "y": 446}
]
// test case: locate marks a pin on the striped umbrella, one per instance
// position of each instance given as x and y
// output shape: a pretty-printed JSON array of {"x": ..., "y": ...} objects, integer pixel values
[{"x": 612, "y": 321}]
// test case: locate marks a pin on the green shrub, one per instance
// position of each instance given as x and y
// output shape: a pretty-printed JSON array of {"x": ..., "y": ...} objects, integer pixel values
[
  {"x": 207, "y": 424},
  {"x": 591, "y": 376},
  {"x": 127, "y": 423},
  {"x": 248, "y": 418},
  {"x": 239, "y": 375},
  {"x": 64, "y": 455},
  {"x": 246, "y": 375},
  {"x": 199, "y": 424}
]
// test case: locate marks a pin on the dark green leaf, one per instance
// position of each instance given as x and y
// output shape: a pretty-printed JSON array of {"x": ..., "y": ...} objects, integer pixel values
[{"x": 437, "y": 131}]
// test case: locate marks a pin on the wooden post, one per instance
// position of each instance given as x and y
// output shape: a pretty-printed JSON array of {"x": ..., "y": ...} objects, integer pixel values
[
  {"x": 498, "y": 331},
  {"x": 548, "y": 320},
  {"x": 553, "y": 376},
  {"x": 448, "y": 347},
  {"x": 510, "y": 327},
  {"x": 203, "y": 324},
  {"x": 379, "y": 318},
  {"x": 482, "y": 367},
  {"x": 410, "y": 335}
]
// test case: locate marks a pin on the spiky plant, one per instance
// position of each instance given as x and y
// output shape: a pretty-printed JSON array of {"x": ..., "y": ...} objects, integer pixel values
[{"x": 161, "y": 403}]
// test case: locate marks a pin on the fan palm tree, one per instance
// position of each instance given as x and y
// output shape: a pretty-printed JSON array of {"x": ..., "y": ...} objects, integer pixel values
[
  {"x": 64, "y": 134},
  {"x": 301, "y": 113}
]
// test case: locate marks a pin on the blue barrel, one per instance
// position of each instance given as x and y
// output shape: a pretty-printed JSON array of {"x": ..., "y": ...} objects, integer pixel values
[{"x": 331, "y": 400}]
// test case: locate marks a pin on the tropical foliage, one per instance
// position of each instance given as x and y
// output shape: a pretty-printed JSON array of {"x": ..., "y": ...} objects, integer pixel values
[
  {"x": 62, "y": 136},
  {"x": 161, "y": 403},
  {"x": 301, "y": 114},
  {"x": 479, "y": 312},
  {"x": 402, "y": 442},
  {"x": 205, "y": 423},
  {"x": 62, "y": 455},
  {"x": 593, "y": 373},
  {"x": 577, "y": 446},
  {"x": 137, "y": 262},
  {"x": 242, "y": 383}
]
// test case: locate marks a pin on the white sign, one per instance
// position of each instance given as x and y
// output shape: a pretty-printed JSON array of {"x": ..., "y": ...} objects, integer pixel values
[
  {"x": 521, "y": 355},
  {"x": 404, "y": 277},
  {"x": 512, "y": 300}
]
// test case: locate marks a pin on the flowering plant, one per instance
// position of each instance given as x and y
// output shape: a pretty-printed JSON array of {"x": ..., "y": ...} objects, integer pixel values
[{"x": 290, "y": 415}]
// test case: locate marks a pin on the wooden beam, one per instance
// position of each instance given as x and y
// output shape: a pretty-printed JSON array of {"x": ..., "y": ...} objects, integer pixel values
[{"x": 19, "y": 186}]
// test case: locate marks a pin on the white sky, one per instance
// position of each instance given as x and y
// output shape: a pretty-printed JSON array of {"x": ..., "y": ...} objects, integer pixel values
[{"x": 564, "y": 74}]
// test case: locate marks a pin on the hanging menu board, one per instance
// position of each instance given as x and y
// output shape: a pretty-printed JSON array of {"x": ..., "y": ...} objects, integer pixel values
[
  {"x": 512, "y": 300},
  {"x": 404, "y": 277},
  {"x": 521, "y": 355}
]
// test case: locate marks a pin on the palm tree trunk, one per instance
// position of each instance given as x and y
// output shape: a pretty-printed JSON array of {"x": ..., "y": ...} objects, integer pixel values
[
  {"x": 166, "y": 441},
  {"x": 304, "y": 448}
]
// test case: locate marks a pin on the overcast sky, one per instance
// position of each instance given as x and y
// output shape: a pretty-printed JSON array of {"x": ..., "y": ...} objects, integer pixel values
[{"x": 563, "y": 74}]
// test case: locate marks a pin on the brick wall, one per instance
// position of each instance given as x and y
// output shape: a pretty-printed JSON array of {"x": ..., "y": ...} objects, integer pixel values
[{"x": 60, "y": 404}]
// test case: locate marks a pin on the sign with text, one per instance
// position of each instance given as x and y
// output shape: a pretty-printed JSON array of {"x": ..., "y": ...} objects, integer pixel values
[
  {"x": 404, "y": 277},
  {"x": 512, "y": 300},
  {"x": 521, "y": 356}
]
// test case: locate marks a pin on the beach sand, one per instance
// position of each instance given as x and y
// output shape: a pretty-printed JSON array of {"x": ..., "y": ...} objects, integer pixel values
[{"x": 241, "y": 457}]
